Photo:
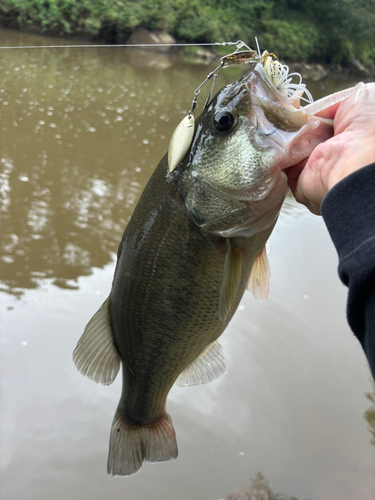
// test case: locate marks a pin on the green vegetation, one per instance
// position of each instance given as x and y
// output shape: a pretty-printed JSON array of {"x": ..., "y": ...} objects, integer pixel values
[{"x": 310, "y": 30}]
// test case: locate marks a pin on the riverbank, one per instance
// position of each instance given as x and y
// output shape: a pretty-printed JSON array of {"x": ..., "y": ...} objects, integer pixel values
[
  {"x": 203, "y": 55},
  {"x": 301, "y": 30}
]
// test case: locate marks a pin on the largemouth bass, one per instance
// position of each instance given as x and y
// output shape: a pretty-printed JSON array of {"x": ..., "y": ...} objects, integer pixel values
[{"x": 196, "y": 236}]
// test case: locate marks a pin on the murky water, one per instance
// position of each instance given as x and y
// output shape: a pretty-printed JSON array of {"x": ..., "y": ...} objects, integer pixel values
[{"x": 81, "y": 132}]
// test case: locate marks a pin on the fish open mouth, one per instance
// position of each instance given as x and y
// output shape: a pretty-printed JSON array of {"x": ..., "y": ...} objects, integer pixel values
[{"x": 281, "y": 123}]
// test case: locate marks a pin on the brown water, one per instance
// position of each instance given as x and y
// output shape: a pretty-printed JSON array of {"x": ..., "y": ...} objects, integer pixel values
[{"x": 81, "y": 132}]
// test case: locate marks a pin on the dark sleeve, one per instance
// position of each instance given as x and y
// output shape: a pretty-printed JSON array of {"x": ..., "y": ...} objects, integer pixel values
[{"x": 349, "y": 213}]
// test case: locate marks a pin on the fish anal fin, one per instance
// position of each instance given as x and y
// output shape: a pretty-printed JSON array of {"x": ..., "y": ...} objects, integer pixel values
[
  {"x": 230, "y": 281},
  {"x": 131, "y": 444},
  {"x": 259, "y": 280},
  {"x": 96, "y": 355},
  {"x": 208, "y": 366}
]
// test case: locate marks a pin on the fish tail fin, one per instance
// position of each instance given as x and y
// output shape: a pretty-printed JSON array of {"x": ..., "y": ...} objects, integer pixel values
[{"x": 131, "y": 444}]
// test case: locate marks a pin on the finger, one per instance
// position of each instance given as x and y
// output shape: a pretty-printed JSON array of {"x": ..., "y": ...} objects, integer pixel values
[
  {"x": 329, "y": 112},
  {"x": 293, "y": 174}
]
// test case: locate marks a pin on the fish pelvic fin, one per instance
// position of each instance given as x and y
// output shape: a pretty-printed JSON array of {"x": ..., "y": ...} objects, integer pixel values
[
  {"x": 230, "y": 281},
  {"x": 96, "y": 355},
  {"x": 259, "y": 280},
  {"x": 208, "y": 366},
  {"x": 132, "y": 444}
]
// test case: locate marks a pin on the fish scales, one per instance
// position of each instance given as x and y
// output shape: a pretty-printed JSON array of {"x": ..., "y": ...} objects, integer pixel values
[
  {"x": 167, "y": 305},
  {"x": 195, "y": 242}
]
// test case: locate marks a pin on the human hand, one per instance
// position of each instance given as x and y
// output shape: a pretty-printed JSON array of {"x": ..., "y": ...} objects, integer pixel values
[{"x": 351, "y": 148}]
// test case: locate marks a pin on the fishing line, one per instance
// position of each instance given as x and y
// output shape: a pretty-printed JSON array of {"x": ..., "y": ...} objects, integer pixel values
[{"x": 91, "y": 46}]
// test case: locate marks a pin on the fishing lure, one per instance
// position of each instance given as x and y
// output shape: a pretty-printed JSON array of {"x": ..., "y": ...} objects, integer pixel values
[
  {"x": 182, "y": 137},
  {"x": 282, "y": 79}
]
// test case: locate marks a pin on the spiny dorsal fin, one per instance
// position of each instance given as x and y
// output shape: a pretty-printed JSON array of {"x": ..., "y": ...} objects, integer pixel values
[
  {"x": 208, "y": 366},
  {"x": 96, "y": 356},
  {"x": 230, "y": 281},
  {"x": 180, "y": 142},
  {"x": 259, "y": 280}
]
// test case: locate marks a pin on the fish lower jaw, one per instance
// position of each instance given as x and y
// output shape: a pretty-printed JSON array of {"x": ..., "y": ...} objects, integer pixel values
[{"x": 248, "y": 193}]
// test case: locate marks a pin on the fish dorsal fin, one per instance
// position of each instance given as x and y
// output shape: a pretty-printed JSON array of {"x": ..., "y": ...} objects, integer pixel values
[
  {"x": 259, "y": 280},
  {"x": 96, "y": 355},
  {"x": 230, "y": 281},
  {"x": 208, "y": 366}
]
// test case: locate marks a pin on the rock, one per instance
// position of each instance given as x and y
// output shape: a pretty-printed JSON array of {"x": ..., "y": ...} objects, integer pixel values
[
  {"x": 259, "y": 489},
  {"x": 205, "y": 56},
  {"x": 142, "y": 58},
  {"x": 358, "y": 67},
  {"x": 313, "y": 71},
  {"x": 141, "y": 36}
]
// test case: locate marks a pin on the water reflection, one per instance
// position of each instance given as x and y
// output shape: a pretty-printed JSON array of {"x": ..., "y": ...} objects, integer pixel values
[
  {"x": 80, "y": 134},
  {"x": 81, "y": 131},
  {"x": 58, "y": 221},
  {"x": 259, "y": 489}
]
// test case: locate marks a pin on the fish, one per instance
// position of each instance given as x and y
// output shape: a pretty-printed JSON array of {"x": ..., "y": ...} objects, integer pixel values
[{"x": 195, "y": 242}]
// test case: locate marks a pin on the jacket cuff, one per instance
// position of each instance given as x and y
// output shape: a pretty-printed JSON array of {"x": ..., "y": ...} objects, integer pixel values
[{"x": 349, "y": 211}]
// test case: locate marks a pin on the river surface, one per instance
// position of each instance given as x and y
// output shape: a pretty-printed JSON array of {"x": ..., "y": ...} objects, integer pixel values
[{"x": 81, "y": 132}]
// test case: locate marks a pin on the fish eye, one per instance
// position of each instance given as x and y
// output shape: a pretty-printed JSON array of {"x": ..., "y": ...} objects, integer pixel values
[{"x": 224, "y": 121}]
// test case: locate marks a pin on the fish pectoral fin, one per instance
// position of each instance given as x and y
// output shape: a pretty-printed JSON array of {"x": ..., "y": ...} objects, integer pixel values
[
  {"x": 259, "y": 280},
  {"x": 208, "y": 366},
  {"x": 230, "y": 281},
  {"x": 96, "y": 355}
]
